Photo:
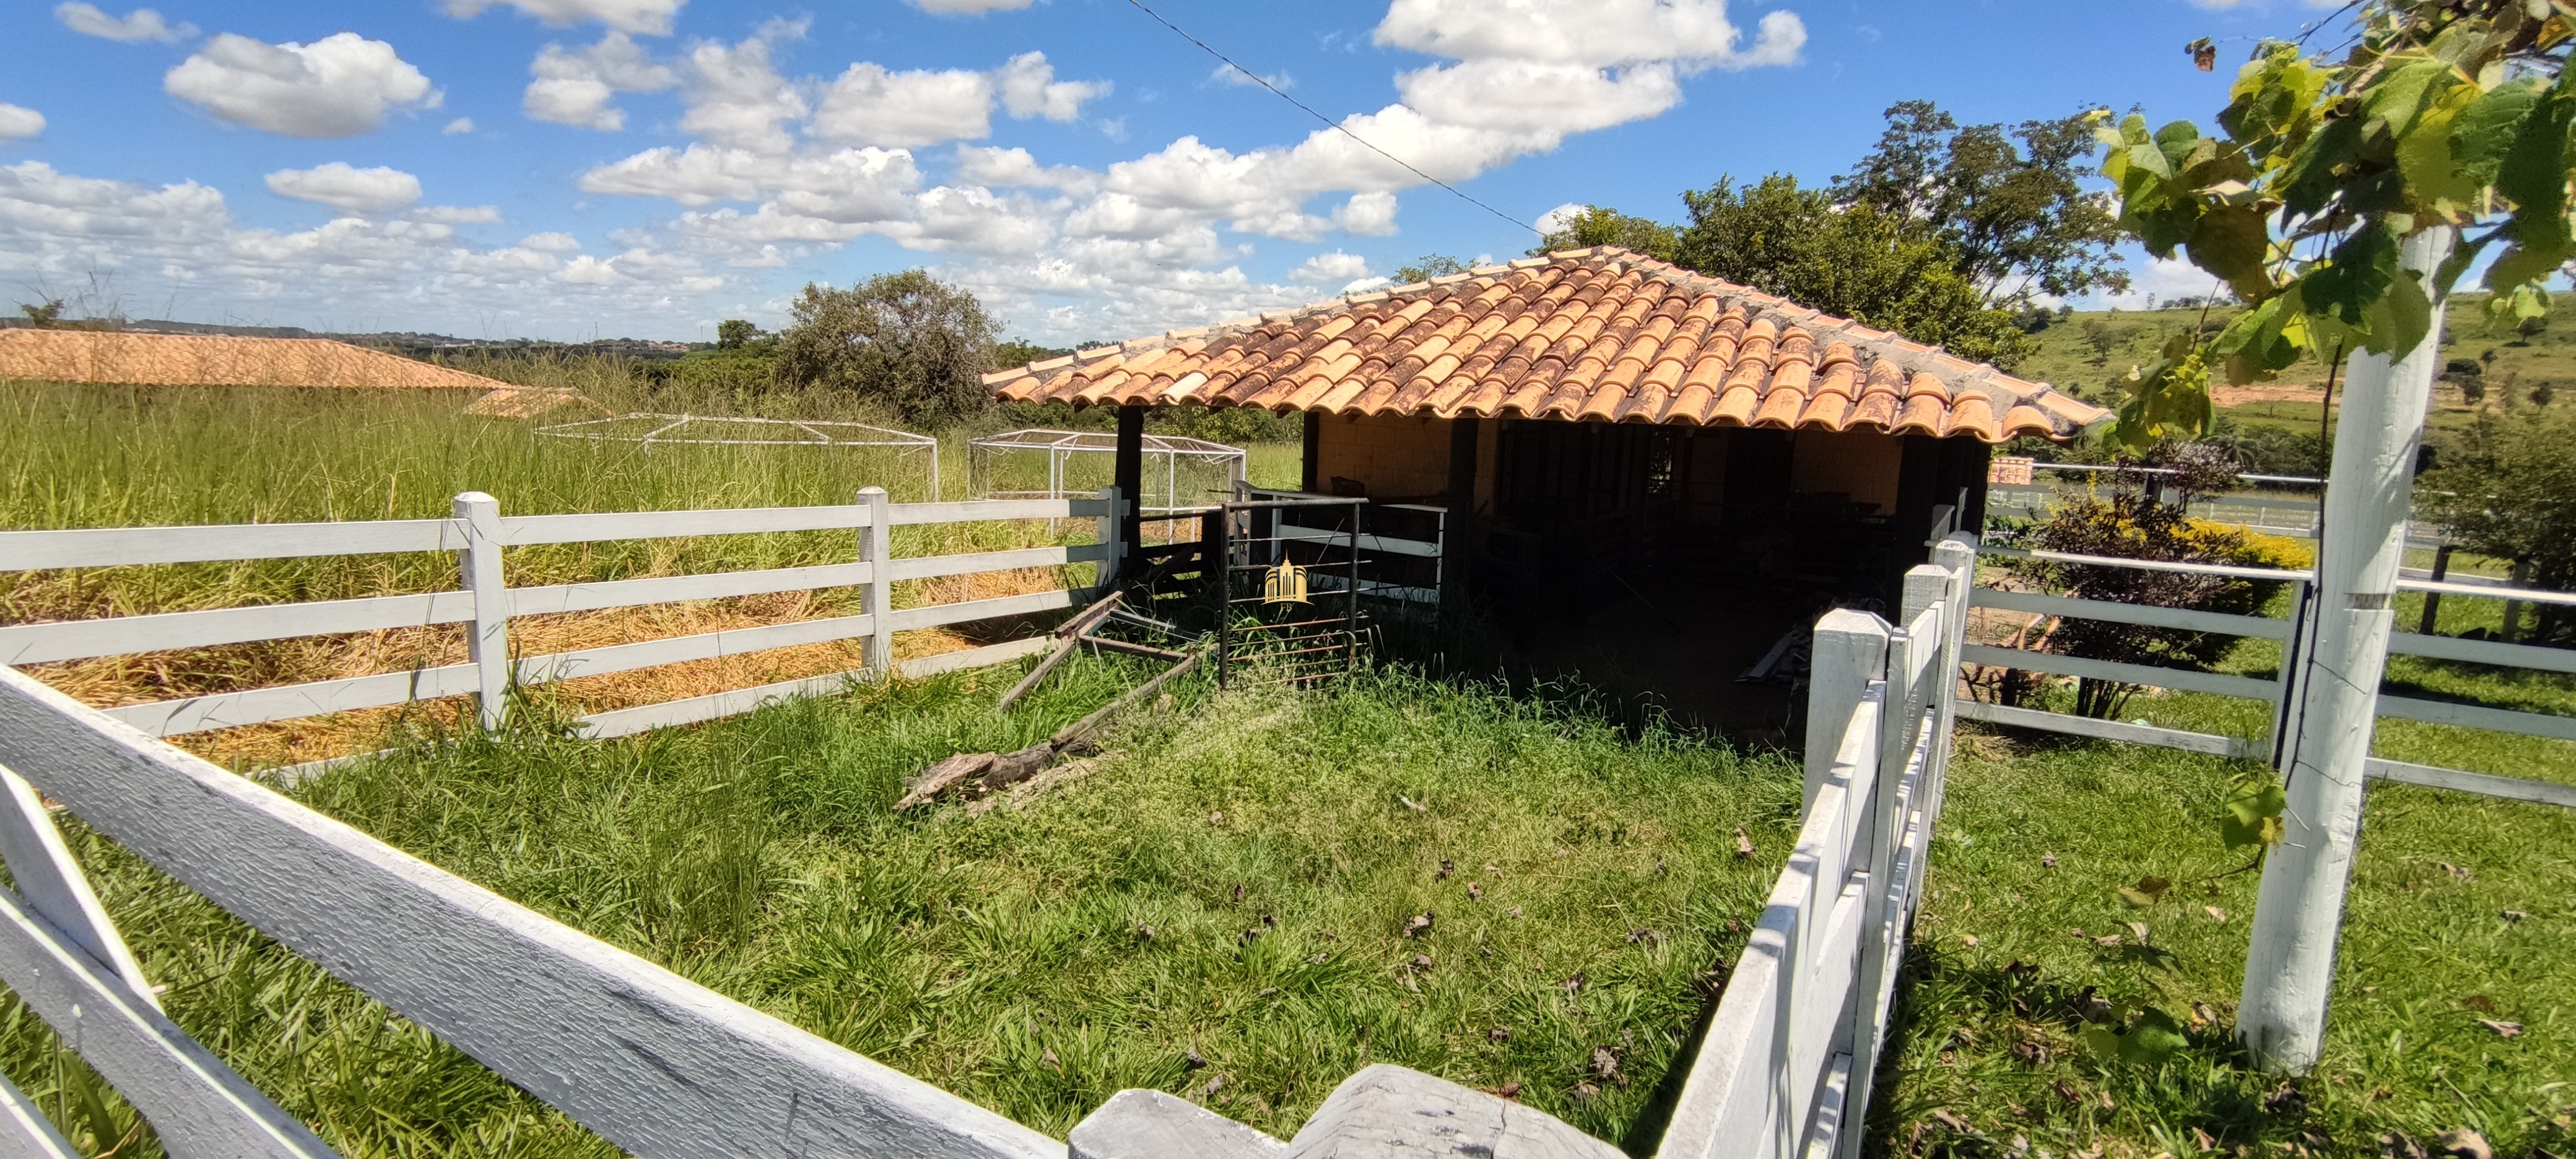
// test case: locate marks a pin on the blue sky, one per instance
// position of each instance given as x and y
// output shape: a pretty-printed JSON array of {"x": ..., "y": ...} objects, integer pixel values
[{"x": 579, "y": 168}]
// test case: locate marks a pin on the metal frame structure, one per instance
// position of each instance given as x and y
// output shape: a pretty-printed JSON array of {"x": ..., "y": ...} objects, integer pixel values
[
  {"x": 821, "y": 435},
  {"x": 1060, "y": 446}
]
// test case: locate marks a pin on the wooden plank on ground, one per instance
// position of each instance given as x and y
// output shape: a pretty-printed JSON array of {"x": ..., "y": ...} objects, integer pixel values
[
  {"x": 2184, "y": 618},
  {"x": 654, "y": 1063},
  {"x": 2215, "y": 683},
  {"x": 2171, "y": 738},
  {"x": 2510, "y": 788}
]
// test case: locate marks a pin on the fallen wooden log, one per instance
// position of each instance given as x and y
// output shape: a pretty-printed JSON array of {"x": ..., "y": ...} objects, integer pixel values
[
  {"x": 982, "y": 774},
  {"x": 943, "y": 776}
]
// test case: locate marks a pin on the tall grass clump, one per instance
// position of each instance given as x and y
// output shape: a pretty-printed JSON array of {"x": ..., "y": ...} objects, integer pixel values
[{"x": 1216, "y": 906}]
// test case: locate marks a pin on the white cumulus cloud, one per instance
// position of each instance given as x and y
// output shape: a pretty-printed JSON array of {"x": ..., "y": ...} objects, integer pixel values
[
  {"x": 339, "y": 86},
  {"x": 553, "y": 243},
  {"x": 138, "y": 25},
  {"x": 1370, "y": 214},
  {"x": 342, "y": 186},
  {"x": 575, "y": 86},
  {"x": 869, "y": 105},
  {"x": 736, "y": 97},
  {"x": 1327, "y": 268},
  {"x": 647, "y": 17},
  {"x": 18, "y": 121},
  {"x": 458, "y": 127},
  {"x": 1029, "y": 89},
  {"x": 1597, "y": 33}
]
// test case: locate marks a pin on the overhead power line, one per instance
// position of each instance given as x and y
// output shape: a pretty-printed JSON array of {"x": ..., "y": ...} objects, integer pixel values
[{"x": 1328, "y": 122}]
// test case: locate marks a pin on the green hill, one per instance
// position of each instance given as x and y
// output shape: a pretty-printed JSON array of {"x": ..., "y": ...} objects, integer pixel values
[{"x": 2083, "y": 352}]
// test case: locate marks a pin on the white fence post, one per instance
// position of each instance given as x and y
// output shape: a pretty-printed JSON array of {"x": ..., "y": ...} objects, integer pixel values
[
  {"x": 1848, "y": 651},
  {"x": 2298, "y": 915},
  {"x": 488, "y": 640},
  {"x": 876, "y": 546},
  {"x": 1112, "y": 538}
]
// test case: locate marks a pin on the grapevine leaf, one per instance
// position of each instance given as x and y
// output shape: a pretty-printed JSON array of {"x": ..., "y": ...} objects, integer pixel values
[
  {"x": 2359, "y": 271},
  {"x": 2265, "y": 340},
  {"x": 2483, "y": 131},
  {"x": 2147, "y": 892},
  {"x": 2231, "y": 241},
  {"x": 2253, "y": 815},
  {"x": 2314, "y": 172},
  {"x": 2154, "y": 1038}
]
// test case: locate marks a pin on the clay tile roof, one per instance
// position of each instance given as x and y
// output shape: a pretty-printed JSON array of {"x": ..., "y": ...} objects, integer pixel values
[{"x": 1600, "y": 335}]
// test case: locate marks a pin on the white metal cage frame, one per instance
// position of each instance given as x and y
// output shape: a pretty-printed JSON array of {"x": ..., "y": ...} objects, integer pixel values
[
  {"x": 1060, "y": 447},
  {"x": 678, "y": 429}
]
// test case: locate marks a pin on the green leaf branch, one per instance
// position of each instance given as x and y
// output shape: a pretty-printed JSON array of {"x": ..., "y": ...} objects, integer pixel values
[{"x": 2438, "y": 114}]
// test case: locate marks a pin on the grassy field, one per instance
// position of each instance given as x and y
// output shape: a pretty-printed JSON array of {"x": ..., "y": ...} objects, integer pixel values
[
  {"x": 2462, "y": 909},
  {"x": 91, "y": 456},
  {"x": 1217, "y": 909}
]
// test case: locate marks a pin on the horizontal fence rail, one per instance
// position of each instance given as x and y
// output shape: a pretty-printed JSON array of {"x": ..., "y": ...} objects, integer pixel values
[
  {"x": 486, "y": 605},
  {"x": 2279, "y": 690}
]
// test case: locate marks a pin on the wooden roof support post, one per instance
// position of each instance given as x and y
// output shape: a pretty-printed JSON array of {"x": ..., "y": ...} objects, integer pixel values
[
  {"x": 2298, "y": 916},
  {"x": 1310, "y": 478},
  {"x": 1130, "y": 481},
  {"x": 1457, "y": 547}
]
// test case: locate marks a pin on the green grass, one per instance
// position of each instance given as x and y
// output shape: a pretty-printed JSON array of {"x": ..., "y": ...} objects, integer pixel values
[
  {"x": 2425, "y": 947},
  {"x": 1005, "y": 956},
  {"x": 2425, "y": 952}
]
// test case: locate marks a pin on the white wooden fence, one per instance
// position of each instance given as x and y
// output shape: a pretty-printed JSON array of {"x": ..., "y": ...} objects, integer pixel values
[
  {"x": 1784, "y": 1072},
  {"x": 478, "y": 534},
  {"x": 663, "y": 1067},
  {"x": 2278, "y": 691}
]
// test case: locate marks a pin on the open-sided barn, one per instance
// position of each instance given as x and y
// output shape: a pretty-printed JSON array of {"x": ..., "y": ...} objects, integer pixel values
[{"x": 1595, "y": 419}]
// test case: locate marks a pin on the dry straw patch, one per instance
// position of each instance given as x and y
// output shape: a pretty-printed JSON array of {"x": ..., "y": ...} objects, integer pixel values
[{"x": 142, "y": 678}]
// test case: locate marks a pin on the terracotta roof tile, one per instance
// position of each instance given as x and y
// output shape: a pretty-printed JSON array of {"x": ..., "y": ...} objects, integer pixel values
[{"x": 1594, "y": 335}]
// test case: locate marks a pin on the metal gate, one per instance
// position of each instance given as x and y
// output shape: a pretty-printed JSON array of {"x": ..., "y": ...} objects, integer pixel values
[{"x": 1288, "y": 590}]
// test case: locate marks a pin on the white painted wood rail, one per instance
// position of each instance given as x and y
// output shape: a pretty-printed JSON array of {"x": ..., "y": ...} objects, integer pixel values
[
  {"x": 478, "y": 534},
  {"x": 2290, "y": 632},
  {"x": 654, "y": 1063},
  {"x": 1785, "y": 1067}
]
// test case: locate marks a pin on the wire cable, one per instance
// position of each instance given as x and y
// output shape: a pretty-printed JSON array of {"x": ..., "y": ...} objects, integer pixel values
[{"x": 1328, "y": 122}]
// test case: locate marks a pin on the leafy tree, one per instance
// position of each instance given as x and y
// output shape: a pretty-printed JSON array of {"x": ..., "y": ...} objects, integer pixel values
[
  {"x": 1851, "y": 261},
  {"x": 908, "y": 340},
  {"x": 2442, "y": 114},
  {"x": 43, "y": 315},
  {"x": 1021, "y": 352},
  {"x": 2099, "y": 335},
  {"x": 2507, "y": 488},
  {"x": 1601, "y": 225},
  {"x": 1427, "y": 267},
  {"x": 735, "y": 333},
  {"x": 2010, "y": 203}
]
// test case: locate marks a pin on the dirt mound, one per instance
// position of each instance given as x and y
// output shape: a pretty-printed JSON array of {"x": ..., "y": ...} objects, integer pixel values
[{"x": 218, "y": 360}]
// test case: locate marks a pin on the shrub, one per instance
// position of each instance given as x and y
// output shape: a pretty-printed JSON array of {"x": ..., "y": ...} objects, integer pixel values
[{"x": 2128, "y": 525}]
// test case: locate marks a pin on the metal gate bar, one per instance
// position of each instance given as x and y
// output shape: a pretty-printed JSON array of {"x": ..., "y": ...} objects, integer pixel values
[{"x": 1247, "y": 552}]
